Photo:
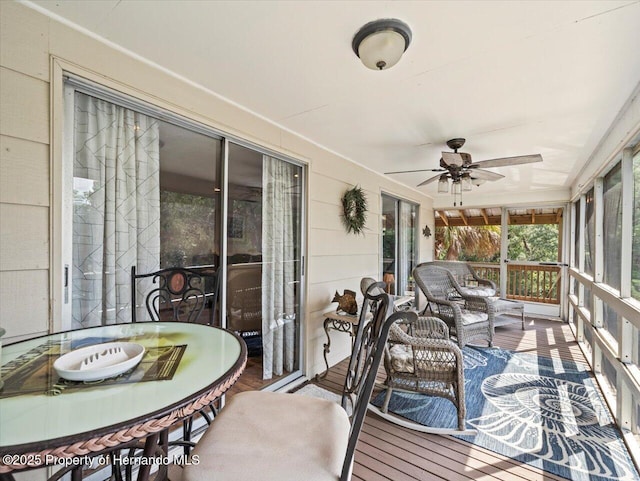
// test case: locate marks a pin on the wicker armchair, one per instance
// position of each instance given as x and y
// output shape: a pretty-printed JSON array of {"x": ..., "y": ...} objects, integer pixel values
[
  {"x": 468, "y": 317},
  {"x": 420, "y": 357}
]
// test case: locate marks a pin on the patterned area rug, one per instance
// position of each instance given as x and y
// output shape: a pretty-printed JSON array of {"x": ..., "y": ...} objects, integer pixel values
[
  {"x": 312, "y": 390},
  {"x": 543, "y": 412}
]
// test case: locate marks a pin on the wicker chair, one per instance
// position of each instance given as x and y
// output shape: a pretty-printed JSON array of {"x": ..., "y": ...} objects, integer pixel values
[
  {"x": 468, "y": 317},
  {"x": 420, "y": 357}
]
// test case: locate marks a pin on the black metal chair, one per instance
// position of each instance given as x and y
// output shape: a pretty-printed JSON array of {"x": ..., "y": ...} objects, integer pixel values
[
  {"x": 277, "y": 436},
  {"x": 177, "y": 294}
]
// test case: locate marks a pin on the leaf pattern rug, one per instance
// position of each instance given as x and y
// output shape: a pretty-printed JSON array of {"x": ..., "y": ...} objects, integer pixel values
[{"x": 544, "y": 412}]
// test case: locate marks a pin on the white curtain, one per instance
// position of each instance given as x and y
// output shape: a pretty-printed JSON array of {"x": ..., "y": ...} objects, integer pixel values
[
  {"x": 405, "y": 246},
  {"x": 116, "y": 212},
  {"x": 278, "y": 268}
]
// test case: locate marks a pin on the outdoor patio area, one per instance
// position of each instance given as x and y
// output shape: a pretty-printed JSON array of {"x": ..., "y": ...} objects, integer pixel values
[{"x": 208, "y": 206}]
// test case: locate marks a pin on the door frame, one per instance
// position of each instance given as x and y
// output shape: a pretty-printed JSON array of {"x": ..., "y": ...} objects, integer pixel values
[{"x": 553, "y": 310}]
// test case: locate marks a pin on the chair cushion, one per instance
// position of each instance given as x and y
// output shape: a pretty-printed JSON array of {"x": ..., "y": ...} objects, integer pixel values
[
  {"x": 471, "y": 317},
  {"x": 272, "y": 437},
  {"x": 478, "y": 291},
  {"x": 401, "y": 358}
]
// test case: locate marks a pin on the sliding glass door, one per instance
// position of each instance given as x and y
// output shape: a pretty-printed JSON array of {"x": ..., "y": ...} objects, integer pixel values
[
  {"x": 264, "y": 259},
  {"x": 157, "y": 193},
  {"x": 399, "y": 244}
]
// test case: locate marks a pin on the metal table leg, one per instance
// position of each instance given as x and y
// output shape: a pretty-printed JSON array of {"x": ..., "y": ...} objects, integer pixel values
[{"x": 336, "y": 325}]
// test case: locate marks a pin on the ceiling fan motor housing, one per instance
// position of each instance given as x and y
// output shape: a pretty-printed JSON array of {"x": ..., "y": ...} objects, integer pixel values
[{"x": 455, "y": 144}]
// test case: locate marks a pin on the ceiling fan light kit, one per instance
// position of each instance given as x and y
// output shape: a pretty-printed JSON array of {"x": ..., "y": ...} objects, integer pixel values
[
  {"x": 443, "y": 184},
  {"x": 381, "y": 43},
  {"x": 463, "y": 173},
  {"x": 466, "y": 182}
]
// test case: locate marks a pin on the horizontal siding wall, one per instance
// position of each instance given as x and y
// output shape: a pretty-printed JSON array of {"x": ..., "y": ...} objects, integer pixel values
[
  {"x": 24, "y": 172},
  {"x": 336, "y": 260}
]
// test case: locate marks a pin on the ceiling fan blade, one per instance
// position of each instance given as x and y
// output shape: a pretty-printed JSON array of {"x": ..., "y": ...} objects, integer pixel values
[
  {"x": 484, "y": 174},
  {"x": 409, "y": 171},
  {"x": 428, "y": 181},
  {"x": 504, "y": 161}
]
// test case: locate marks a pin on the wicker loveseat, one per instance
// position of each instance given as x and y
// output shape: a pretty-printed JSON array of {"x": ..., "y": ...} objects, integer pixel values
[{"x": 469, "y": 282}]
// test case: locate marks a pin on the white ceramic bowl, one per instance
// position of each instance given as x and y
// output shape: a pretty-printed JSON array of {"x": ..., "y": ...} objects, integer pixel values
[{"x": 100, "y": 361}]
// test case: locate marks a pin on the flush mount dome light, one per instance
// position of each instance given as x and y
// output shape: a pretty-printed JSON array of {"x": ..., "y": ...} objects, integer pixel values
[{"x": 381, "y": 43}]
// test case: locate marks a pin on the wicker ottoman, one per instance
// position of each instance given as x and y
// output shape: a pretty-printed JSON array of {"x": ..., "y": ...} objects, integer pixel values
[{"x": 507, "y": 306}]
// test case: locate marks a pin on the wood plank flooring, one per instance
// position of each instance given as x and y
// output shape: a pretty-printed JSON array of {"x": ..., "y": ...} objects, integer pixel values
[{"x": 389, "y": 452}]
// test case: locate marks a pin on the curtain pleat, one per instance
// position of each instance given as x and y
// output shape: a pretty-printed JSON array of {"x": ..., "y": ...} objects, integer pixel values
[
  {"x": 278, "y": 268},
  {"x": 116, "y": 212}
]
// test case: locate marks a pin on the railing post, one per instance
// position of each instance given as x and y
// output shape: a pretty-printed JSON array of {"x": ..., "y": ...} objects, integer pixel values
[{"x": 504, "y": 246}]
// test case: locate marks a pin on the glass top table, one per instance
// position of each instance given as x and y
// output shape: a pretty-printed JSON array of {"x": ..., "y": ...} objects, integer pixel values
[{"x": 40, "y": 414}]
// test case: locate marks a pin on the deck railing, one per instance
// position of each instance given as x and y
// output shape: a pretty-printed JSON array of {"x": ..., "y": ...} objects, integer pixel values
[{"x": 525, "y": 282}]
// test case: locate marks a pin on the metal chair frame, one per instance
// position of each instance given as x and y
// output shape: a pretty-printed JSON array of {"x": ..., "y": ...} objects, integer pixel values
[{"x": 183, "y": 290}]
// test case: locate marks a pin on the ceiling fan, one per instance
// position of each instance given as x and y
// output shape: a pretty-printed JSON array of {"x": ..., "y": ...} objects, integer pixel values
[{"x": 458, "y": 167}]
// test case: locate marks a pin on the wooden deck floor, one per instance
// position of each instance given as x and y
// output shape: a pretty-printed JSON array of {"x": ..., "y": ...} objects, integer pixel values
[{"x": 389, "y": 452}]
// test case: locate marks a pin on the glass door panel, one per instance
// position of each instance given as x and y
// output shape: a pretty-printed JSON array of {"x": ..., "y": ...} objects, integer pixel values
[
  {"x": 264, "y": 265},
  {"x": 399, "y": 244},
  {"x": 389, "y": 242},
  {"x": 144, "y": 194},
  {"x": 406, "y": 246},
  {"x": 190, "y": 204},
  {"x": 189, "y": 198}
]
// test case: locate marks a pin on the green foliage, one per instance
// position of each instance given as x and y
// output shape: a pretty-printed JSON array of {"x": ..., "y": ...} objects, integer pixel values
[
  {"x": 187, "y": 229},
  {"x": 635, "y": 247},
  {"x": 482, "y": 243},
  {"x": 468, "y": 243},
  {"x": 389, "y": 243},
  {"x": 538, "y": 243},
  {"x": 354, "y": 210}
]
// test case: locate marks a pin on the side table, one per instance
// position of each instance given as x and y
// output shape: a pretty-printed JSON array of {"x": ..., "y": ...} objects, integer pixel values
[
  {"x": 349, "y": 323},
  {"x": 338, "y": 322}
]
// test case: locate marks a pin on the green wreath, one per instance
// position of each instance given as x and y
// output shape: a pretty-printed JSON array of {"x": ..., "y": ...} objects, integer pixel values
[{"x": 354, "y": 210}]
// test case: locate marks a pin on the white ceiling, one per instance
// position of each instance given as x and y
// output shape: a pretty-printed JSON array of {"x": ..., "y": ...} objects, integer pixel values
[{"x": 513, "y": 78}]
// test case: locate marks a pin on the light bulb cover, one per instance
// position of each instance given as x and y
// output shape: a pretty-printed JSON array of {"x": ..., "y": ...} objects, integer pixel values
[
  {"x": 466, "y": 182},
  {"x": 381, "y": 43},
  {"x": 443, "y": 185}
]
